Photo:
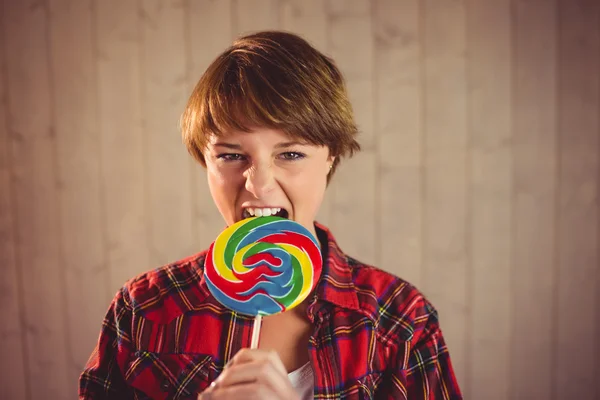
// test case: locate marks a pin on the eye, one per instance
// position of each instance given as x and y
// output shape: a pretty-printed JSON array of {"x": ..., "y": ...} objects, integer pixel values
[
  {"x": 230, "y": 157},
  {"x": 292, "y": 155}
]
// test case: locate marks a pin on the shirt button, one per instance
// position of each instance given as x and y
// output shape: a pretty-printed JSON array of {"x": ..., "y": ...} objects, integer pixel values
[{"x": 165, "y": 385}]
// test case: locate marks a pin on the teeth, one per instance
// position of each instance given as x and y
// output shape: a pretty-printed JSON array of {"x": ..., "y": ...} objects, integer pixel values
[{"x": 261, "y": 212}]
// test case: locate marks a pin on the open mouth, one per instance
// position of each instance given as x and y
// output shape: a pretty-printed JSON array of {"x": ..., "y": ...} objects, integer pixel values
[{"x": 264, "y": 212}]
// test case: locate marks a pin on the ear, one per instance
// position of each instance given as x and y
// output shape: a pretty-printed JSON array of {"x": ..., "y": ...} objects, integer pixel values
[{"x": 330, "y": 161}]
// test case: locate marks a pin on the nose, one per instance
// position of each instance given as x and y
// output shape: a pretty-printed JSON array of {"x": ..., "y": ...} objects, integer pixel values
[{"x": 259, "y": 180}]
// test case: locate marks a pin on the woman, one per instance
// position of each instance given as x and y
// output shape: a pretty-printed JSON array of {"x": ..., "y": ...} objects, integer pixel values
[{"x": 270, "y": 120}]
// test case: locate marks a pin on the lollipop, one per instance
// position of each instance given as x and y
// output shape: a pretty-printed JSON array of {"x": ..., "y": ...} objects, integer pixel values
[{"x": 263, "y": 266}]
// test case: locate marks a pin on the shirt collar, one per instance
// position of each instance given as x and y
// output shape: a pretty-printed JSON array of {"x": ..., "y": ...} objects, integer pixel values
[{"x": 335, "y": 285}]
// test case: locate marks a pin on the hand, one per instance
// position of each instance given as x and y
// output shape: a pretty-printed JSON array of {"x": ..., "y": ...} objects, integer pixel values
[{"x": 252, "y": 374}]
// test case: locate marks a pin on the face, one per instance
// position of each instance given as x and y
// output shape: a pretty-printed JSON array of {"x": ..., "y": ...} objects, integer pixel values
[{"x": 266, "y": 172}]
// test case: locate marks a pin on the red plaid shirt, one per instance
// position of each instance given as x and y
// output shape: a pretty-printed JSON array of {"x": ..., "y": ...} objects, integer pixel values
[{"x": 375, "y": 336}]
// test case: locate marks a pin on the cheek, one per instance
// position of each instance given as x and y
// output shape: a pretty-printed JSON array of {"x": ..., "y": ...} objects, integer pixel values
[
  {"x": 221, "y": 190},
  {"x": 307, "y": 190},
  {"x": 215, "y": 178},
  {"x": 223, "y": 178}
]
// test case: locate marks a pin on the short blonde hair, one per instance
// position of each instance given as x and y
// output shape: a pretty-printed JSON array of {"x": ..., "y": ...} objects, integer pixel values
[{"x": 275, "y": 80}]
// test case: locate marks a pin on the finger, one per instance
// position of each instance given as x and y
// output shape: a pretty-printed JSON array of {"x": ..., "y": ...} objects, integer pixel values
[
  {"x": 249, "y": 391},
  {"x": 247, "y": 372},
  {"x": 207, "y": 394},
  {"x": 261, "y": 372},
  {"x": 248, "y": 355}
]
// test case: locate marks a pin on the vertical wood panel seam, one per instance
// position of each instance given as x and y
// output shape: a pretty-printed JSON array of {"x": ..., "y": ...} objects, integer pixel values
[
  {"x": 598, "y": 238},
  {"x": 61, "y": 247},
  {"x": 234, "y": 19},
  {"x": 510, "y": 186},
  {"x": 140, "y": 16},
  {"x": 12, "y": 197},
  {"x": 187, "y": 46},
  {"x": 469, "y": 284},
  {"x": 98, "y": 133},
  {"x": 513, "y": 196},
  {"x": 557, "y": 186},
  {"x": 423, "y": 134},
  {"x": 280, "y": 14},
  {"x": 376, "y": 139},
  {"x": 598, "y": 223}
]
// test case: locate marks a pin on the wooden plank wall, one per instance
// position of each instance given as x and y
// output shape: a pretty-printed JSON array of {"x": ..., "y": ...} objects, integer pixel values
[
  {"x": 534, "y": 206},
  {"x": 478, "y": 181}
]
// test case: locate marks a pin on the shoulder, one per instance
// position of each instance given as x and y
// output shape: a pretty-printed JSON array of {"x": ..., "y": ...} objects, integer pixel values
[
  {"x": 400, "y": 311},
  {"x": 164, "y": 293}
]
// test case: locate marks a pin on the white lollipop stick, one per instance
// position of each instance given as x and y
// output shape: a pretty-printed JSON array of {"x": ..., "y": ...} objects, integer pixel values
[{"x": 256, "y": 332}]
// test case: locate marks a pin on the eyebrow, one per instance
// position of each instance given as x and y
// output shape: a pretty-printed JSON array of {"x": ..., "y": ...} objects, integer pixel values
[
  {"x": 228, "y": 145},
  {"x": 239, "y": 147},
  {"x": 287, "y": 144}
]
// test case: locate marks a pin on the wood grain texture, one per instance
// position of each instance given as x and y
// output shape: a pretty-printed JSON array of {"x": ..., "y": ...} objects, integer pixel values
[
  {"x": 597, "y": 325},
  {"x": 14, "y": 374},
  {"x": 164, "y": 91},
  {"x": 254, "y": 15},
  {"x": 534, "y": 199},
  {"x": 307, "y": 18},
  {"x": 579, "y": 148},
  {"x": 47, "y": 355},
  {"x": 118, "y": 60},
  {"x": 75, "y": 117},
  {"x": 446, "y": 258},
  {"x": 490, "y": 203},
  {"x": 399, "y": 115},
  {"x": 209, "y": 33},
  {"x": 354, "y": 185}
]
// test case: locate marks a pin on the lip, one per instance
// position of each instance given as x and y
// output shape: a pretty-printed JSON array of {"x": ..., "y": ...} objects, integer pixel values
[{"x": 244, "y": 206}]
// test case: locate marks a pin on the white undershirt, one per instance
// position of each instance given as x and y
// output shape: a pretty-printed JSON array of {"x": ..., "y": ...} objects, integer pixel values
[{"x": 303, "y": 381}]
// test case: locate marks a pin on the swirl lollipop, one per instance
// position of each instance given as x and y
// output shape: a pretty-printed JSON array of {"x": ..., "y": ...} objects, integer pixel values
[{"x": 263, "y": 266}]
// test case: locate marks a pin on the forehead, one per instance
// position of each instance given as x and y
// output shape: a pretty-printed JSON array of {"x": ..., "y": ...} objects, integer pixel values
[{"x": 257, "y": 135}]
